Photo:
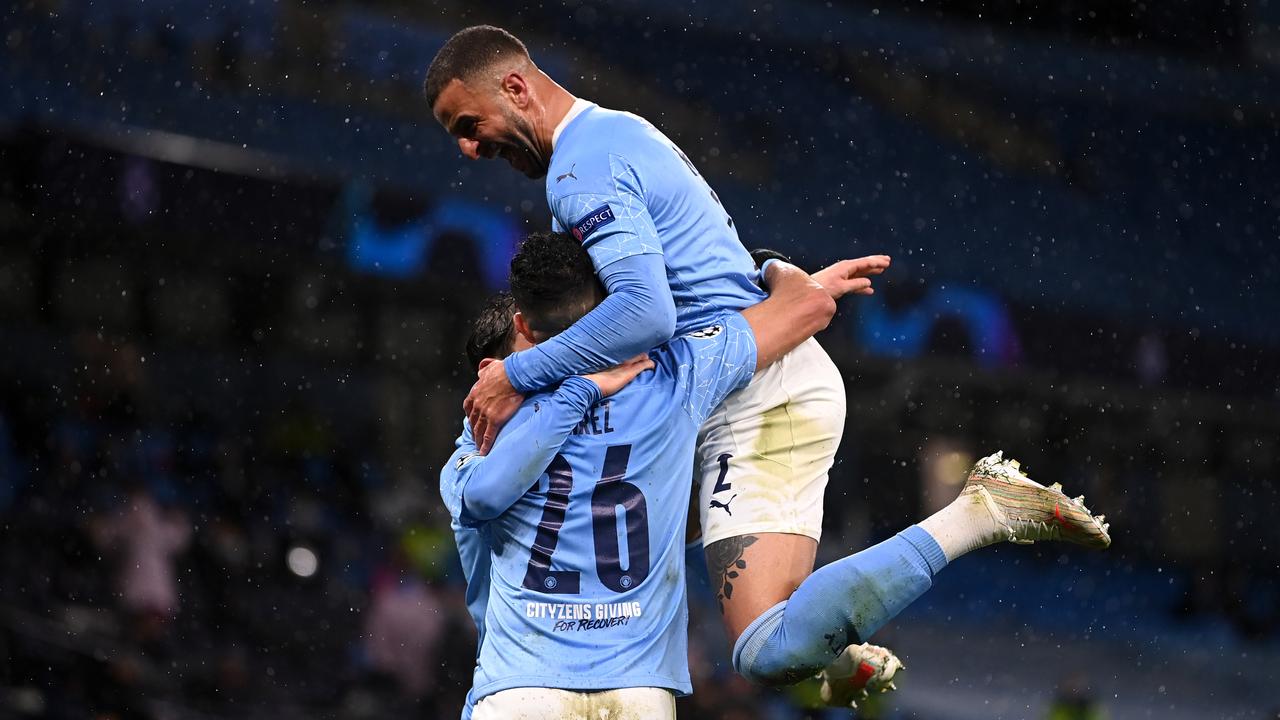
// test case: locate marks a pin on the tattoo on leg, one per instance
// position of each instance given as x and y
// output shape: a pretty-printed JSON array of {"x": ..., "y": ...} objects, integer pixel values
[{"x": 725, "y": 563}]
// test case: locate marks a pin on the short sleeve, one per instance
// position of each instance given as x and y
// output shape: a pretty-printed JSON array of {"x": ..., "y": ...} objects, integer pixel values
[
  {"x": 608, "y": 216},
  {"x": 713, "y": 362}
]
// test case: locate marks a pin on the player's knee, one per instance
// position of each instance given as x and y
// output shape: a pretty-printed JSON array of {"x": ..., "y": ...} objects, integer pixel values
[
  {"x": 775, "y": 667},
  {"x": 764, "y": 655}
]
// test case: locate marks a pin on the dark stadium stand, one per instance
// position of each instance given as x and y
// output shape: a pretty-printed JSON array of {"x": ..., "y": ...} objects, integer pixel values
[{"x": 238, "y": 259}]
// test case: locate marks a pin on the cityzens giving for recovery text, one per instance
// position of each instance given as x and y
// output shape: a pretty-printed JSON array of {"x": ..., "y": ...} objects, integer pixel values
[{"x": 583, "y": 611}]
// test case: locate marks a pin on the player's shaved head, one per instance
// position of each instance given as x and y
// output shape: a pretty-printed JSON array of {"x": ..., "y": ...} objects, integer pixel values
[
  {"x": 470, "y": 53},
  {"x": 487, "y": 93},
  {"x": 553, "y": 282}
]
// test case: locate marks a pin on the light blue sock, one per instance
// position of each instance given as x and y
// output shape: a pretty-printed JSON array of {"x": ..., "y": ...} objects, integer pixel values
[{"x": 840, "y": 604}]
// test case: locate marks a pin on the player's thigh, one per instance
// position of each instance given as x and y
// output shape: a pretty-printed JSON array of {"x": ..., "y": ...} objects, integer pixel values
[
  {"x": 530, "y": 703},
  {"x": 554, "y": 704},
  {"x": 751, "y": 573},
  {"x": 638, "y": 703},
  {"x": 764, "y": 455}
]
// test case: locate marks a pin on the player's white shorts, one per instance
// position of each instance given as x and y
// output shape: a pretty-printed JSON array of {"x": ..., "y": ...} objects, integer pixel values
[
  {"x": 553, "y": 704},
  {"x": 763, "y": 456}
]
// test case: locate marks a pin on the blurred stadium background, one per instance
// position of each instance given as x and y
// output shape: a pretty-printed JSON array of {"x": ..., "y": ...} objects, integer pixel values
[{"x": 238, "y": 258}]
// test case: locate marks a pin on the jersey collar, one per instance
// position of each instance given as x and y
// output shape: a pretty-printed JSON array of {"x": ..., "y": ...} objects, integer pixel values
[{"x": 575, "y": 110}]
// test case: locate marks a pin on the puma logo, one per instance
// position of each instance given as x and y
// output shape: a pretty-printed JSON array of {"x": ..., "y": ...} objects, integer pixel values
[
  {"x": 723, "y": 505},
  {"x": 834, "y": 642},
  {"x": 568, "y": 174}
]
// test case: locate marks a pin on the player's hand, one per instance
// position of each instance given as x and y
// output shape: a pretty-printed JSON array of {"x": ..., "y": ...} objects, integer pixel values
[
  {"x": 851, "y": 276},
  {"x": 490, "y": 404},
  {"x": 615, "y": 378}
]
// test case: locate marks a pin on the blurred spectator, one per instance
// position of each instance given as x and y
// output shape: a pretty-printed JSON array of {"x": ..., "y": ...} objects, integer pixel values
[
  {"x": 404, "y": 626},
  {"x": 146, "y": 538}
]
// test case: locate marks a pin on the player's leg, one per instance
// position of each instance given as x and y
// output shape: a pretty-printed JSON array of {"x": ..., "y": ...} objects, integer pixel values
[
  {"x": 849, "y": 600},
  {"x": 763, "y": 459},
  {"x": 763, "y": 463},
  {"x": 841, "y": 604},
  {"x": 628, "y": 703},
  {"x": 752, "y": 573},
  {"x": 534, "y": 703}
]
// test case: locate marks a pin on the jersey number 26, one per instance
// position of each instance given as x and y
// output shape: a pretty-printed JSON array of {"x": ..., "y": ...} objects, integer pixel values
[{"x": 612, "y": 491}]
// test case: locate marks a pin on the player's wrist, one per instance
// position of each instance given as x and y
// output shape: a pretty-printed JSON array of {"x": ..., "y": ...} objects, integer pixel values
[
  {"x": 517, "y": 375},
  {"x": 582, "y": 391},
  {"x": 764, "y": 271}
]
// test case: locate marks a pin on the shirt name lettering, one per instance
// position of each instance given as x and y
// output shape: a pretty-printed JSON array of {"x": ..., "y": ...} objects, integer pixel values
[{"x": 596, "y": 421}]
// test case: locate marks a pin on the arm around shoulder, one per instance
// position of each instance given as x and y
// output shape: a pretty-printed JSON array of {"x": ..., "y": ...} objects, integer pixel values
[
  {"x": 490, "y": 484},
  {"x": 636, "y": 316},
  {"x": 640, "y": 285}
]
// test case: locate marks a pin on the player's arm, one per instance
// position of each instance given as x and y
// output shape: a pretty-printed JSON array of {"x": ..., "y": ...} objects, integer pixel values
[
  {"x": 797, "y": 307},
  {"x": 636, "y": 316},
  {"x": 614, "y": 225},
  {"x": 484, "y": 486},
  {"x": 800, "y": 305},
  {"x": 609, "y": 217},
  {"x": 846, "y": 277},
  {"x": 851, "y": 277}
]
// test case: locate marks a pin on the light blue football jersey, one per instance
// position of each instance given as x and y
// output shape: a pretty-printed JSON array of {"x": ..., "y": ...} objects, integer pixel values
[
  {"x": 587, "y": 583},
  {"x": 623, "y": 188},
  {"x": 473, "y": 546}
]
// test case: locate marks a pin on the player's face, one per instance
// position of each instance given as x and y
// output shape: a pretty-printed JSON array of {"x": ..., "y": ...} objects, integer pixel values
[{"x": 486, "y": 126}]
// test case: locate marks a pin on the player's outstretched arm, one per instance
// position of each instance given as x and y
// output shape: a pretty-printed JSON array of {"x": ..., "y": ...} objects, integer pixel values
[
  {"x": 851, "y": 277},
  {"x": 846, "y": 277},
  {"x": 797, "y": 307}
]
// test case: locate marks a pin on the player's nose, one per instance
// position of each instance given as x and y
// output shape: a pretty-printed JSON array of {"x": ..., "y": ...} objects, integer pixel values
[{"x": 469, "y": 148}]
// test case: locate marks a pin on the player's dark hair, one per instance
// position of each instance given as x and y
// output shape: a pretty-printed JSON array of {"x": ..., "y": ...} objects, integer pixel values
[
  {"x": 469, "y": 52},
  {"x": 493, "y": 332},
  {"x": 553, "y": 282}
]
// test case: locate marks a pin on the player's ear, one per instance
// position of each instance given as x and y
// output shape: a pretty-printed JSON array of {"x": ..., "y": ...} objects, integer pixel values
[
  {"x": 522, "y": 327},
  {"x": 486, "y": 363},
  {"x": 515, "y": 87}
]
